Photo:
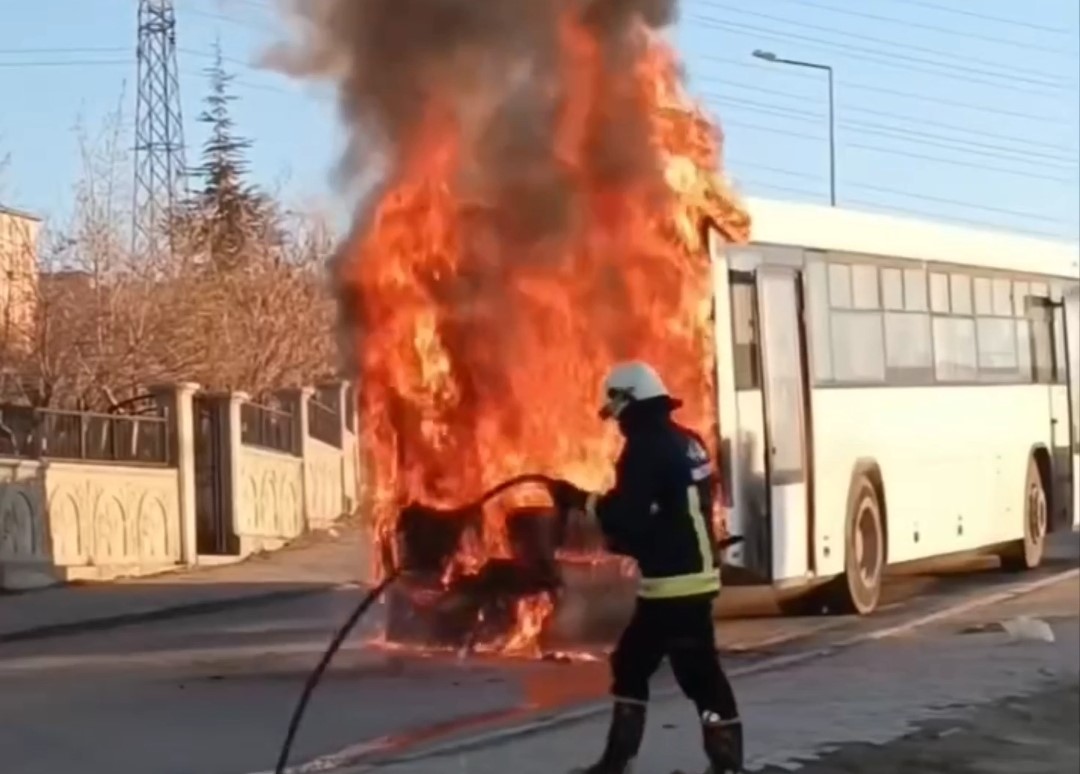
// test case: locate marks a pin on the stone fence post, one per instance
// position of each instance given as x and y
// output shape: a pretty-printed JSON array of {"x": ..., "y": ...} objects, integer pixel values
[
  {"x": 295, "y": 400},
  {"x": 227, "y": 405},
  {"x": 177, "y": 401},
  {"x": 338, "y": 393}
]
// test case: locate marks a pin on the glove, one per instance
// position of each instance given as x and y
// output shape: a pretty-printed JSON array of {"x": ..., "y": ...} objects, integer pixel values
[{"x": 567, "y": 496}]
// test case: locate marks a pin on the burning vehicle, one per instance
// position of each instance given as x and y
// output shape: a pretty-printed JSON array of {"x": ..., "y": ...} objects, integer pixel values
[{"x": 545, "y": 186}]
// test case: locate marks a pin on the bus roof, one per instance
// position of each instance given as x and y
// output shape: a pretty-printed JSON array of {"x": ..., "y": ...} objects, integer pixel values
[{"x": 820, "y": 227}]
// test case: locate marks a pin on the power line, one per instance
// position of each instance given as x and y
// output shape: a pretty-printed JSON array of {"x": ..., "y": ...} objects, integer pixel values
[
  {"x": 938, "y": 215},
  {"x": 888, "y": 42},
  {"x": 775, "y": 170},
  {"x": 67, "y": 63},
  {"x": 922, "y": 26},
  {"x": 66, "y": 50},
  {"x": 981, "y": 166},
  {"x": 875, "y": 57},
  {"x": 983, "y": 16},
  {"x": 944, "y": 200},
  {"x": 875, "y": 89},
  {"x": 967, "y": 146},
  {"x": 764, "y": 107},
  {"x": 958, "y": 128},
  {"x": 901, "y": 152},
  {"x": 902, "y": 133},
  {"x": 885, "y": 113}
]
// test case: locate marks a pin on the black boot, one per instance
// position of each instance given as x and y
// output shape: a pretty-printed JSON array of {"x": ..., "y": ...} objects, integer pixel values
[
  {"x": 723, "y": 744},
  {"x": 623, "y": 740}
]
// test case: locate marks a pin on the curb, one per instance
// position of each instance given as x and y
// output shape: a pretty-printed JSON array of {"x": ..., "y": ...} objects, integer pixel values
[
  {"x": 357, "y": 759},
  {"x": 168, "y": 612}
]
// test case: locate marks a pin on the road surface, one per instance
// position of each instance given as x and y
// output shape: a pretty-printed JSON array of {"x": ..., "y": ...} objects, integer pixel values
[{"x": 212, "y": 694}]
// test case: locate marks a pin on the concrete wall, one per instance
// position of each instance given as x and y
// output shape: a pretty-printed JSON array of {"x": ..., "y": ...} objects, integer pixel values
[
  {"x": 324, "y": 482},
  {"x": 63, "y": 521},
  {"x": 67, "y": 520},
  {"x": 270, "y": 503}
]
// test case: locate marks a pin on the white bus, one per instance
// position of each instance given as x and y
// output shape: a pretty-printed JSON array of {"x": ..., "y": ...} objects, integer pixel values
[{"x": 892, "y": 390}]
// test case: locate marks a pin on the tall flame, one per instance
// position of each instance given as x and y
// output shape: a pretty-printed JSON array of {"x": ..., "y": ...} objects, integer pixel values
[{"x": 488, "y": 289}]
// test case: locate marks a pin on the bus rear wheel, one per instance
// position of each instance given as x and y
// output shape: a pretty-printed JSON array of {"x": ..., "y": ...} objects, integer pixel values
[
  {"x": 1027, "y": 553},
  {"x": 858, "y": 590}
]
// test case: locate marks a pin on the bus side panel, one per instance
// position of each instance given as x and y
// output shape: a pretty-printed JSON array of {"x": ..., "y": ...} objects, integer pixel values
[{"x": 953, "y": 462}]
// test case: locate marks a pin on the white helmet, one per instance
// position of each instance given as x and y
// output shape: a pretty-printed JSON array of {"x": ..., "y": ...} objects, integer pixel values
[{"x": 627, "y": 383}]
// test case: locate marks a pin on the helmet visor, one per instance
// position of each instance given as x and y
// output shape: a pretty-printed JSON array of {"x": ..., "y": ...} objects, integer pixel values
[{"x": 617, "y": 399}]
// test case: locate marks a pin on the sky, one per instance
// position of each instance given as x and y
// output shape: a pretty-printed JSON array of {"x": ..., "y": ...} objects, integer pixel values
[{"x": 964, "y": 110}]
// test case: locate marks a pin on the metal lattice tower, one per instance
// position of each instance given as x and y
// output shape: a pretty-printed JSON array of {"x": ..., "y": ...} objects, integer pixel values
[{"x": 159, "y": 130}]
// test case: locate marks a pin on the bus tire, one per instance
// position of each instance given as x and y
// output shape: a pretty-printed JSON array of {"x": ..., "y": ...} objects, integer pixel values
[
  {"x": 1027, "y": 553},
  {"x": 858, "y": 590}
]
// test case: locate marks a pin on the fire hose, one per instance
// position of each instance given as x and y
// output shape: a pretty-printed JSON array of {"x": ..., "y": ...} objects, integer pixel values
[
  {"x": 365, "y": 604},
  {"x": 376, "y": 593}
]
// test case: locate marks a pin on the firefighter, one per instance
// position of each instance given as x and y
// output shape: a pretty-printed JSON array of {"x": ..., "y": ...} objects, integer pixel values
[{"x": 658, "y": 513}]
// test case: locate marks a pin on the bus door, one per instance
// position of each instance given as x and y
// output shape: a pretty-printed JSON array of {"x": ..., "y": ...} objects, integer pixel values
[
  {"x": 784, "y": 379},
  {"x": 1071, "y": 333},
  {"x": 739, "y": 412}
]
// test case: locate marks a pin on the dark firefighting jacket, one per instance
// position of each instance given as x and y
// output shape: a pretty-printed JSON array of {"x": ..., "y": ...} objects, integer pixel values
[{"x": 659, "y": 511}]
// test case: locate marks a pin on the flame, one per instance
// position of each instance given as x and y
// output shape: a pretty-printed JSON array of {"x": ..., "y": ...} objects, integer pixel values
[{"x": 481, "y": 352}]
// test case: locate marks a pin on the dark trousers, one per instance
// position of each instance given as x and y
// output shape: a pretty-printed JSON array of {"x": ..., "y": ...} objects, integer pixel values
[{"x": 681, "y": 629}]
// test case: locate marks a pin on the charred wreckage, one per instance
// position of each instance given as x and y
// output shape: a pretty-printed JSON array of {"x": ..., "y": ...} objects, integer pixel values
[{"x": 560, "y": 564}]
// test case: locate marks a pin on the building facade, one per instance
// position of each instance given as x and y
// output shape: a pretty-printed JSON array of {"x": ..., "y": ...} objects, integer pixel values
[{"x": 18, "y": 277}]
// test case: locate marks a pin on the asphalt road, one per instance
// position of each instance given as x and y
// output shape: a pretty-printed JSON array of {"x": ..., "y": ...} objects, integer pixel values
[{"x": 212, "y": 694}]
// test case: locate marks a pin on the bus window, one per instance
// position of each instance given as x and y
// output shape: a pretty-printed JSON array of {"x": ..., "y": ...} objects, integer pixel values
[
  {"x": 1020, "y": 294},
  {"x": 997, "y": 348},
  {"x": 744, "y": 327},
  {"x": 864, "y": 287},
  {"x": 984, "y": 304},
  {"x": 909, "y": 356},
  {"x": 1023, "y": 351},
  {"x": 915, "y": 291},
  {"x": 839, "y": 286},
  {"x": 817, "y": 303},
  {"x": 955, "y": 355},
  {"x": 960, "y": 294},
  {"x": 892, "y": 289},
  {"x": 939, "y": 293},
  {"x": 1001, "y": 298},
  {"x": 1060, "y": 358}
]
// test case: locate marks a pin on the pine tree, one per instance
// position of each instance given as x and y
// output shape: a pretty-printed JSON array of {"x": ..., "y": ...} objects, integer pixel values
[{"x": 229, "y": 222}]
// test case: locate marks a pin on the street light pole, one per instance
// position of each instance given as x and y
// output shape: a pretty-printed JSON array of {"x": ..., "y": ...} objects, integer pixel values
[{"x": 769, "y": 56}]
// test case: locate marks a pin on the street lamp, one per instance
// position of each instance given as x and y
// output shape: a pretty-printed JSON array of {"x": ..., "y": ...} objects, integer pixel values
[{"x": 769, "y": 56}]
